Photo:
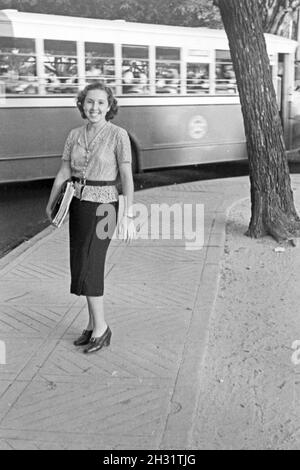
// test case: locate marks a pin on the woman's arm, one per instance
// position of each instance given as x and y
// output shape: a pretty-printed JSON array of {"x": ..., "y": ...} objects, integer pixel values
[
  {"x": 63, "y": 174},
  {"x": 127, "y": 225},
  {"x": 127, "y": 187}
]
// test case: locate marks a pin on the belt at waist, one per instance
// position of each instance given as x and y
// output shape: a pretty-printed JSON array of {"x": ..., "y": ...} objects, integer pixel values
[{"x": 93, "y": 182}]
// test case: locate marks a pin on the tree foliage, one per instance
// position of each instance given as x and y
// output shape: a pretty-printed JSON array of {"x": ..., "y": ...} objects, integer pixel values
[
  {"x": 172, "y": 12},
  {"x": 277, "y": 15}
]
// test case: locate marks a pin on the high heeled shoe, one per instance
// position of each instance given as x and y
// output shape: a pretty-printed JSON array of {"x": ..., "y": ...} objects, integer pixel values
[
  {"x": 98, "y": 343},
  {"x": 84, "y": 338}
]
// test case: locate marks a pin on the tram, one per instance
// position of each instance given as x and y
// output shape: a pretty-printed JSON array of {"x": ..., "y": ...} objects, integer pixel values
[{"x": 175, "y": 86}]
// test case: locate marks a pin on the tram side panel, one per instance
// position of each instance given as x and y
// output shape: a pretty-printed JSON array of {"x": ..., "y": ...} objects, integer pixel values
[
  {"x": 32, "y": 141},
  {"x": 185, "y": 135},
  {"x": 166, "y": 136}
]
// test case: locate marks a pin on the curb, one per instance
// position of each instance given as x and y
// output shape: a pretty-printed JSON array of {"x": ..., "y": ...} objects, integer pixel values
[
  {"x": 25, "y": 246},
  {"x": 184, "y": 402},
  {"x": 178, "y": 432}
]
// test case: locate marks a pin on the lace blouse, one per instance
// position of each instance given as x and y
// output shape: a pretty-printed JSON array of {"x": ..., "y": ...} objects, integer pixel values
[{"x": 99, "y": 161}]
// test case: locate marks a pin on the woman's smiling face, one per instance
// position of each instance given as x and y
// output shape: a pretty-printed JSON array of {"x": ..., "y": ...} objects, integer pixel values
[{"x": 96, "y": 106}]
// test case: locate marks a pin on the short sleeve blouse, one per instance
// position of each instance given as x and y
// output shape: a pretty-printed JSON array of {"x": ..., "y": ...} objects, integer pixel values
[{"x": 109, "y": 149}]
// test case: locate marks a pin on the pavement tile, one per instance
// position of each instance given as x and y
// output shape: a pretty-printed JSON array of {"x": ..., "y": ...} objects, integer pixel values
[
  {"x": 228, "y": 186},
  {"x": 18, "y": 353},
  {"x": 157, "y": 271},
  {"x": 40, "y": 269},
  {"x": 188, "y": 244},
  {"x": 180, "y": 225},
  {"x": 4, "y": 384},
  {"x": 36, "y": 292},
  {"x": 10, "y": 396},
  {"x": 43, "y": 440},
  {"x": 151, "y": 293},
  {"x": 4, "y": 445},
  {"x": 163, "y": 201},
  {"x": 110, "y": 408},
  {"x": 155, "y": 253},
  {"x": 126, "y": 357},
  {"x": 18, "y": 319},
  {"x": 149, "y": 323}
]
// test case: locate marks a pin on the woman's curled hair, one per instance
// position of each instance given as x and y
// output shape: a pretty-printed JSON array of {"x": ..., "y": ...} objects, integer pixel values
[{"x": 98, "y": 85}]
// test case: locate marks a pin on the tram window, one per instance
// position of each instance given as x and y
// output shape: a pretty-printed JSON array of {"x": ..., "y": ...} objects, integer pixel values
[
  {"x": 167, "y": 70},
  {"x": 60, "y": 65},
  {"x": 197, "y": 78},
  {"x": 18, "y": 65},
  {"x": 168, "y": 53},
  {"x": 135, "y": 69},
  {"x": 225, "y": 76},
  {"x": 100, "y": 63}
]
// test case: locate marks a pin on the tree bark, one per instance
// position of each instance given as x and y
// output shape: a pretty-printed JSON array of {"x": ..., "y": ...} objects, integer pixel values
[{"x": 273, "y": 210}]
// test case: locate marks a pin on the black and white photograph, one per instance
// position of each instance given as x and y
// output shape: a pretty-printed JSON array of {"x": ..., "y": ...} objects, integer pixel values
[{"x": 150, "y": 227}]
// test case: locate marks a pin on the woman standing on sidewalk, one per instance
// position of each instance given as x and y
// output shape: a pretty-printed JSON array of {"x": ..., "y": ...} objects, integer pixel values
[{"x": 93, "y": 156}]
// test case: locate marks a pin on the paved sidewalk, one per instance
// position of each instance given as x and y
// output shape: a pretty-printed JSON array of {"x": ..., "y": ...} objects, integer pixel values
[{"x": 141, "y": 392}]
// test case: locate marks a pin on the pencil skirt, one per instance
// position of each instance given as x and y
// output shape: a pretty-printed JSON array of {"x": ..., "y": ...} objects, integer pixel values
[{"x": 91, "y": 227}]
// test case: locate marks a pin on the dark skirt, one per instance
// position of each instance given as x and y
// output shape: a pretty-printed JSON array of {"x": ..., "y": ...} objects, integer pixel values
[{"x": 91, "y": 227}]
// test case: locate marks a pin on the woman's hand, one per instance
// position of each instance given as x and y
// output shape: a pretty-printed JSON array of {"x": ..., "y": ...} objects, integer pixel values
[
  {"x": 126, "y": 230},
  {"x": 63, "y": 174}
]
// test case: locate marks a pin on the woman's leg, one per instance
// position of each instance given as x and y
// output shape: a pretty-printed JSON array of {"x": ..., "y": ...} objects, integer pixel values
[
  {"x": 90, "y": 325},
  {"x": 96, "y": 313}
]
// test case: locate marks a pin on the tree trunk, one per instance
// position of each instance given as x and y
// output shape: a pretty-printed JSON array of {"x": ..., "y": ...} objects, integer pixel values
[{"x": 273, "y": 210}]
